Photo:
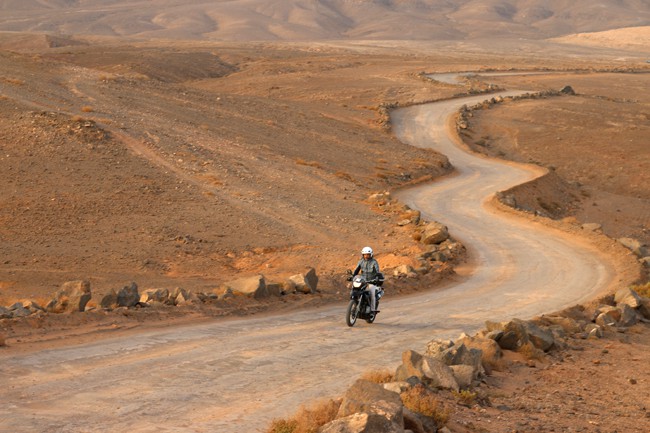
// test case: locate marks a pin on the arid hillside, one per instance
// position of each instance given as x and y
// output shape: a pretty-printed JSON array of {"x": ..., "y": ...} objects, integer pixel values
[
  {"x": 301, "y": 20},
  {"x": 193, "y": 163}
]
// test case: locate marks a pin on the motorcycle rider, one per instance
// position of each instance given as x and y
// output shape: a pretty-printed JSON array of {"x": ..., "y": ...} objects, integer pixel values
[{"x": 369, "y": 268}]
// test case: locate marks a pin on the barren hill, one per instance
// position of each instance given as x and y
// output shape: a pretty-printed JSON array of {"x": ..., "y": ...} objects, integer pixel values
[{"x": 297, "y": 20}]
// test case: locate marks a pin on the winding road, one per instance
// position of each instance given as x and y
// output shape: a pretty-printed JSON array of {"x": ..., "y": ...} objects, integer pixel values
[{"x": 237, "y": 375}]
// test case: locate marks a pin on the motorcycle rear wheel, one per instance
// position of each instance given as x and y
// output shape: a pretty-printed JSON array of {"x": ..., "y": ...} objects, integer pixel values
[
  {"x": 371, "y": 318},
  {"x": 351, "y": 316}
]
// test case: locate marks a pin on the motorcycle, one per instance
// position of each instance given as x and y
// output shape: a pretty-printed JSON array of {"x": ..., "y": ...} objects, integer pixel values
[{"x": 359, "y": 306}]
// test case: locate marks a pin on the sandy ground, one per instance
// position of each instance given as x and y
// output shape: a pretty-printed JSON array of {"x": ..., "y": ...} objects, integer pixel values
[{"x": 170, "y": 182}]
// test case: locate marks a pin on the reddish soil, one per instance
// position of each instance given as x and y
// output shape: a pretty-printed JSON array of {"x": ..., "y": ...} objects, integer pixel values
[{"x": 231, "y": 160}]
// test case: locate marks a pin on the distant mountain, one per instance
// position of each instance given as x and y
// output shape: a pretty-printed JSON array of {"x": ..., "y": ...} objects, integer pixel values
[{"x": 299, "y": 20}]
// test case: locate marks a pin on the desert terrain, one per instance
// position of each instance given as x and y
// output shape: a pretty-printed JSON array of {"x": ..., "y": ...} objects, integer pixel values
[{"x": 197, "y": 159}]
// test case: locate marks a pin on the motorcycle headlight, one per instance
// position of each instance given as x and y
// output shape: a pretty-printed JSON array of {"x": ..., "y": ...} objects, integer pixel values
[{"x": 357, "y": 284}]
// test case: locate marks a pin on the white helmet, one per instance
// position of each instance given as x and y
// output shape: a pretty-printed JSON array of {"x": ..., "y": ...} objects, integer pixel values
[{"x": 366, "y": 250}]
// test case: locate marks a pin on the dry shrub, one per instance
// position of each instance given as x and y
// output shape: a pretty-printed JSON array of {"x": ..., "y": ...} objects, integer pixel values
[
  {"x": 643, "y": 289},
  {"x": 87, "y": 109},
  {"x": 378, "y": 376},
  {"x": 465, "y": 397},
  {"x": 422, "y": 400},
  {"x": 307, "y": 419}
]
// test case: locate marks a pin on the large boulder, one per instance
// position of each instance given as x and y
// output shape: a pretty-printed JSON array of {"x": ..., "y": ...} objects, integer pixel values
[
  {"x": 517, "y": 333},
  {"x": 372, "y": 398},
  {"x": 635, "y": 246},
  {"x": 72, "y": 297},
  {"x": 435, "y": 372},
  {"x": 128, "y": 296},
  {"x": 254, "y": 287},
  {"x": 434, "y": 233},
  {"x": 305, "y": 283},
  {"x": 180, "y": 296},
  {"x": 109, "y": 301},
  {"x": 627, "y": 296},
  {"x": 361, "y": 423},
  {"x": 152, "y": 296}
]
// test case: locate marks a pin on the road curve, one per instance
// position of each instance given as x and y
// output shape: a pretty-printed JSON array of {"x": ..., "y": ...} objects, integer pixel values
[{"x": 237, "y": 375}]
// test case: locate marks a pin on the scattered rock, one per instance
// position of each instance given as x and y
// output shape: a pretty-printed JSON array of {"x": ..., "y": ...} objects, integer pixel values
[
  {"x": 254, "y": 286},
  {"x": 72, "y": 297},
  {"x": 128, "y": 296}
]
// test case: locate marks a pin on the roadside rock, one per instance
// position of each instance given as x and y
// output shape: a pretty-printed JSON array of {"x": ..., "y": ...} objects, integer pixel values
[
  {"x": 369, "y": 397},
  {"x": 72, "y": 297},
  {"x": 304, "y": 283},
  {"x": 149, "y": 296},
  {"x": 361, "y": 423},
  {"x": 434, "y": 233},
  {"x": 635, "y": 246},
  {"x": 128, "y": 296},
  {"x": 254, "y": 286},
  {"x": 627, "y": 296}
]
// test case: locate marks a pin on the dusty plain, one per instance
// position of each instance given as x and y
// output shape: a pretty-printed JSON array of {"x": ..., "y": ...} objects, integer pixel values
[{"x": 192, "y": 163}]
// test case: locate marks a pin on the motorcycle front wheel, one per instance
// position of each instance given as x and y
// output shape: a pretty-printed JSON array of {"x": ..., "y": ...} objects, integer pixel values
[{"x": 351, "y": 316}]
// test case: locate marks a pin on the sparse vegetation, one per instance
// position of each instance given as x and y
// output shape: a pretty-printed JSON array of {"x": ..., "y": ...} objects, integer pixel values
[
  {"x": 422, "y": 400},
  {"x": 307, "y": 419},
  {"x": 643, "y": 289},
  {"x": 87, "y": 109},
  {"x": 378, "y": 376},
  {"x": 465, "y": 397}
]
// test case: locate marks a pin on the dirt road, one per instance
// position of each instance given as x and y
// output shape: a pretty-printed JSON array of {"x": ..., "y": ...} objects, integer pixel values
[{"x": 237, "y": 375}]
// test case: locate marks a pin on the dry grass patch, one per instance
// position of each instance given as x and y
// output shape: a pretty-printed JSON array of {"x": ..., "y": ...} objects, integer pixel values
[
  {"x": 87, "y": 109},
  {"x": 422, "y": 400},
  {"x": 643, "y": 289},
  {"x": 307, "y": 419},
  {"x": 378, "y": 376}
]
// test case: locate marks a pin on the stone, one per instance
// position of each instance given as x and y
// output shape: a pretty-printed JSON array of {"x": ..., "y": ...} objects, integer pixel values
[
  {"x": 437, "y": 374},
  {"x": 372, "y": 398},
  {"x": 128, "y": 296},
  {"x": 627, "y": 296},
  {"x": 109, "y": 301},
  {"x": 361, "y": 423},
  {"x": 567, "y": 90},
  {"x": 605, "y": 320},
  {"x": 410, "y": 367},
  {"x": 490, "y": 351},
  {"x": 594, "y": 331},
  {"x": 434, "y": 233},
  {"x": 629, "y": 316},
  {"x": 464, "y": 375},
  {"x": 403, "y": 270},
  {"x": 254, "y": 287},
  {"x": 150, "y": 296},
  {"x": 635, "y": 246},
  {"x": 305, "y": 283},
  {"x": 72, "y": 297}
]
